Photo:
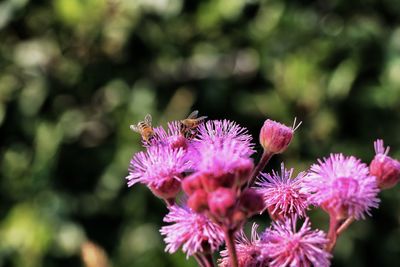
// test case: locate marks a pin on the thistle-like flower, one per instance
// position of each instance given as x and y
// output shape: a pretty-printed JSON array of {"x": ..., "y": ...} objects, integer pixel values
[
  {"x": 342, "y": 186},
  {"x": 171, "y": 137},
  {"x": 249, "y": 251},
  {"x": 219, "y": 131},
  {"x": 284, "y": 196},
  {"x": 160, "y": 168},
  {"x": 192, "y": 231},
  {"x": 287, "y": 247},
  {"x": 384, "y": 168}
]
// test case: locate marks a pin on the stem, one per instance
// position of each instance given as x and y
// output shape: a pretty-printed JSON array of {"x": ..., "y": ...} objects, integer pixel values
[
  {"x": 266, "y": 156},
  {"x": 345, "y": 225},
  {"x": 199, "y": 260},
  {"x": 208, "y": 259},
  {"x": 332, "y": 233},
  {"x": 230, "y": 245},
  {"x": 170, "y": 202}
]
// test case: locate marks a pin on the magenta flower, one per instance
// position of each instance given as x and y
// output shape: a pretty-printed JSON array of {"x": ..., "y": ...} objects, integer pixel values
[
  {"x": 384, "y": 168},
  {"x": 342, "y": 186},
  {"x": 171, "y": 137},
  {"x": 216, "y": 131},
  {"x": 284, "y": 196},
  {"x": 249, "y": 252},
  {"x": 160, "y": 168},
  {"x": 287, "y": 247},
  {"x": 221, "y": 164},
  {"x": 191, "y": 231}
]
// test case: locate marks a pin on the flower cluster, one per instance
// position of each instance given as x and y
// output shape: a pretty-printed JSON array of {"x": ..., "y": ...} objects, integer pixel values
[{"x": 207, "y": 167}]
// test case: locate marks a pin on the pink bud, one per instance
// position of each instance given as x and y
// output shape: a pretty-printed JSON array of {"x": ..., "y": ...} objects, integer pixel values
[
  {"x": 198, "y": 201},
  {"x": 243, "y": 172},
  {"x": 212, "y": 182},
  {"x": 251, "y": 201},
  {"x": 168, "y": 189},
  {"x": 275, "y": 137},
  {"x": 221, "y": 202},
  {"x": 192, "y": 183},
  {"x": 386, "y": 170}
]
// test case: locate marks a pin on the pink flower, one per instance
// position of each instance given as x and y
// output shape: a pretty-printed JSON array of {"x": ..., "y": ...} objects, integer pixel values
[
  {"x": 160, "y": 168},
  {"x": 216, "y": 131},
  {"x": 249, "y": 252},
  {"x": 221, "y": 164},
  {"x": 172, "y": 137},
  {"x": 287, "y": 247},
  {"x": 275, "y": 137},
  {"x": 283, "y": 195},
  {"x": 384, "y": 168},
  {"x": 342, "y": 186},
  {"x": 192, "y": 231}
]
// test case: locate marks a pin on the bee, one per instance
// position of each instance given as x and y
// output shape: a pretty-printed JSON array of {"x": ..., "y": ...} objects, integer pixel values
[
  {"x": 144, "y": 128},
  {"x": 189, "y": 125}
]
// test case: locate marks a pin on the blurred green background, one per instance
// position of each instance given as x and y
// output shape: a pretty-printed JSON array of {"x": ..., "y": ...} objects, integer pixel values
[{"x": 75, "y": 73}]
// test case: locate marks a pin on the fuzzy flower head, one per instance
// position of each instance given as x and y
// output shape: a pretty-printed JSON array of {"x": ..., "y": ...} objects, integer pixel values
[
  {"x": 160, "y": 168},
  {"x": 217, "y": 131},
  {"x": 342, "y": 186},
  {"x": 192, "y": 231},
  {"x": 170, "y": 137},
  {"x": 249, "y": 251},
  {"x": 384, "y": 168},
  {"x": 287, "y": 247},
  {"x": 284, "y": 196}
]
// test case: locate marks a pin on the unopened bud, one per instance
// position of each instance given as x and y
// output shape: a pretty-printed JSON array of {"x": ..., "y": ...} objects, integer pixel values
[
  {"x": 198, "y": 201},
  {"x": 192, "y": 183},
  {"x": 221, "y": 202},
  {"x": 214, "y": 181},
  {"x": 384, "y": 168},
  {"x": 168, "y": 189},
  {"x": 251, "y": 201},
  {"x": 275, "y": 137}
]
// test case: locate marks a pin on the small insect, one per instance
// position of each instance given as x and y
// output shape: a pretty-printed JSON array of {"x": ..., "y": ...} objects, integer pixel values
[
  {"x": 144, "y": 128},
  {"x": 189, "y": 125}
]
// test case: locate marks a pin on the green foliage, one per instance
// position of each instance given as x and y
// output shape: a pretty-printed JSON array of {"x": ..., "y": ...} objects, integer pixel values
[{"x": 74, "y": 74}]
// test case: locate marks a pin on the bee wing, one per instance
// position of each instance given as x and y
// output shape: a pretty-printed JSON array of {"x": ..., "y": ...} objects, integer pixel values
[
  {"x": 134, "y": 128},
  {"x": 193, "y": 115},
  {"x": 148, "y": 119},
  {"x": 202, "y": 118}
]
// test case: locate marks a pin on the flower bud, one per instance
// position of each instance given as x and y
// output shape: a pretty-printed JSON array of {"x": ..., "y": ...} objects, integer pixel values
[
  {"x": 275, "y": 137},
  {"x": 212, "y": 182},
  {"x": 386, "y": 170},
  {"x": 168, "y": 189},
  {"x": 251, "y": 201},
  {"x": 192, "y": 183},
  {"x": 221, "y": 202},
  {"x": 243, "y": 172},
  {"x": 198, "y": 201}
]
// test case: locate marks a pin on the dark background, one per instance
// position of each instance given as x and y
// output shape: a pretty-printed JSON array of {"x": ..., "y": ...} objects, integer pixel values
[{"x": 74, "y": 74}]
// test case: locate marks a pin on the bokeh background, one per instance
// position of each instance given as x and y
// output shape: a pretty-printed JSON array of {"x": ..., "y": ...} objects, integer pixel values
[{"x": 74, "y": 74}]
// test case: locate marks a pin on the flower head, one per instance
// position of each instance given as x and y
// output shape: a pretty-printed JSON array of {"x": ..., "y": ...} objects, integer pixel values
[
  {"x": 217, "y": 131},
  {"x": 172, "y": 137},
  {"x": 342, "y": 186},
  {"x": 384, "y": 168},
  {"x": 287, "y": 247},
  {"x": 160, "y": 168},
  {"x": 249, "y": 252},
  {"x": 193, "y": 231},
  {"x": 283, "y": 195},
  {"x": 275, "y": 137}
]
